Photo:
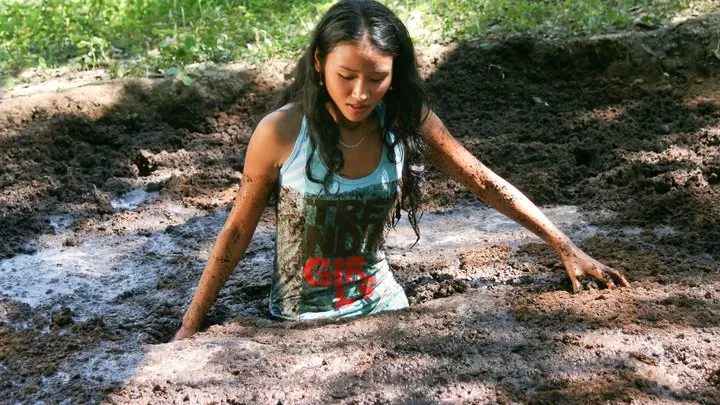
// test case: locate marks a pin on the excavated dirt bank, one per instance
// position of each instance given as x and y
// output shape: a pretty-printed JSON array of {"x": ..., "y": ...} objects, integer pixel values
[{"x": 112, "y": 193}]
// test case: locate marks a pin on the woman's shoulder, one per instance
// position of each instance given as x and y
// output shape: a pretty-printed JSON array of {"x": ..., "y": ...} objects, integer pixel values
[
  {"x": 275, "y": 135},
  {"x": 281, "y": 126}
]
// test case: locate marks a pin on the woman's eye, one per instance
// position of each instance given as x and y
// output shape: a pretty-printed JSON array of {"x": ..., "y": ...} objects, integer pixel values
[{"x": 348, "y": 78}]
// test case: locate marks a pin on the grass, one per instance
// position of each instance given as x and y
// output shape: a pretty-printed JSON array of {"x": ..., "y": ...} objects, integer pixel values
[{"x": 150, "y": 37}]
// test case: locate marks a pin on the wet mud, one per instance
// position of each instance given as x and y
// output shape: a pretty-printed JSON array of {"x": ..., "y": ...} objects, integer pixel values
[{"x": 112, "y": 193}]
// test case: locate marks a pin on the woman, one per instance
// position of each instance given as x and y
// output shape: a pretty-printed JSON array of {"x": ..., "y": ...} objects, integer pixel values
[{"x": 345, "y": 151}]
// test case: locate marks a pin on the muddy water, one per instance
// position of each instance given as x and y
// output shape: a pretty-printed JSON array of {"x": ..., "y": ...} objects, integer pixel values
[
  {"x": 468, "y": 278},
  {"x": 116, "y": 277},
  {"x": 472, "y": 225},
  {"x": 87, "y": 272}
]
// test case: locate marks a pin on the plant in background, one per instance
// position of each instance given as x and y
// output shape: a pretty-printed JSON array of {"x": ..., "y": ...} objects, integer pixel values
[
  {"x": 178, "y": 51},
  {"x": 262, "y": 48},
  {"x": 117, "y": 70},
  {"x": 181, "y": 74},
  {"x": 144, "y": 37},
  {"x": 181, "y": 48},
  {"x": 424, "y": 24},
  {"x": 96, "y": 50},
  {"x": 225, "y": 47}
]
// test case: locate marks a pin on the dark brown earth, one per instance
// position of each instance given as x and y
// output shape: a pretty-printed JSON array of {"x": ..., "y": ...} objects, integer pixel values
[{"x": 626, "y": 127}]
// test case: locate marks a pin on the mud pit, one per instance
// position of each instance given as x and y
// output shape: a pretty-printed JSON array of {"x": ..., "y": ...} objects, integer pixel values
[{"x": 113, "y": 193}]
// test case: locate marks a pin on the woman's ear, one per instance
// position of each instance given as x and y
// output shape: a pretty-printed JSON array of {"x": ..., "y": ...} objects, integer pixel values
[{"x": 318, "y": 65}]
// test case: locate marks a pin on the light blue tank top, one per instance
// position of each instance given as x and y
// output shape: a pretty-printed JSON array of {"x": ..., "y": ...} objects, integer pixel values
[{"x": 329, "y": 258}]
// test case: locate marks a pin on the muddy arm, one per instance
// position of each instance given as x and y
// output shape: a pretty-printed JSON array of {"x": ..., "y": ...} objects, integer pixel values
[
  {"x": 229, "y": 248},
  {"x": 452, "y": 158},
  {"x": 267, "y": 148}
]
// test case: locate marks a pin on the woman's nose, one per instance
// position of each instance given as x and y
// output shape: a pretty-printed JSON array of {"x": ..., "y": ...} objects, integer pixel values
[{"x": 360, "y": 91}]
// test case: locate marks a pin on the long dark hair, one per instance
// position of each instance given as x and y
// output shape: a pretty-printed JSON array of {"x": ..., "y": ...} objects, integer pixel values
[{"x": 353, "y": 20}]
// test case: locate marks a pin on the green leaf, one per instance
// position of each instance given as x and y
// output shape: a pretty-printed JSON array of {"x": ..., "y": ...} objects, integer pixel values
[
  {"x": 189, "y": 41},
  {"x": 173, "y": 71},
  {"x": 186, "y": 80}
]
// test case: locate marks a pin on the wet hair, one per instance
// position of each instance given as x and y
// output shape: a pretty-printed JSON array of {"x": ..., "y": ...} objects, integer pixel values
[{"x": 406, "y": 102}]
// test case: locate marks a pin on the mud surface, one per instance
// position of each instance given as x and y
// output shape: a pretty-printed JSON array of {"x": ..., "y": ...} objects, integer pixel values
[{"x": 112, "y": 194}]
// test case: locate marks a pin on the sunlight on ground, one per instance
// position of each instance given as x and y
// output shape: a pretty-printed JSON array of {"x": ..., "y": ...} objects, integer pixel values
[
  {"x": 607, "y": 114},
  {"x": 670, "y": 155}
]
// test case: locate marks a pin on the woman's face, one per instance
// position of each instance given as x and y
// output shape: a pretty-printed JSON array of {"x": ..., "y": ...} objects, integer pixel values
[{"x": 356, "y": 76}]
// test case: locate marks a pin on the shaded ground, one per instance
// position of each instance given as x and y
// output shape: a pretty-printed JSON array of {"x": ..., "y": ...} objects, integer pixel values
[{"x": 627, "y": 128}]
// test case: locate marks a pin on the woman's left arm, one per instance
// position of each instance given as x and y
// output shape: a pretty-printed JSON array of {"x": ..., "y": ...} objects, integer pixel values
[{"x": 451, "y": 157}]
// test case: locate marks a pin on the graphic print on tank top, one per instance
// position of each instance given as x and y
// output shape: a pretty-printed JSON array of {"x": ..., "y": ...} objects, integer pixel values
[{"x": 329, "y": 259}]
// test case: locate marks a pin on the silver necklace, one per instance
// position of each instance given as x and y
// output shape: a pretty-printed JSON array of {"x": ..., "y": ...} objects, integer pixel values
[{"x": 355, "y": 145}]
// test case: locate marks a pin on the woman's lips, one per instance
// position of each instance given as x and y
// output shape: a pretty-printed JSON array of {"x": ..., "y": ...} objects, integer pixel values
[{"x": 358, "y": 108}]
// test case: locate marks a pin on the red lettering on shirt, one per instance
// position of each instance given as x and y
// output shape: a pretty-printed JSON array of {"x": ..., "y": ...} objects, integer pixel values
[
  {"x": 317, "y": 266},
  {"x": 318, "y": 273}
]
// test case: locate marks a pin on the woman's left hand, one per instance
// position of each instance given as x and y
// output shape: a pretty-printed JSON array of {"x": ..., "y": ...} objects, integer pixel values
[
  {"x": 579, "y": 264},
  {"x": 452, "y": 158}
]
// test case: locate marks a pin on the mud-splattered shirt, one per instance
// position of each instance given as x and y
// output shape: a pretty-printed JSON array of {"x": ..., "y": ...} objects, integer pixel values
[{"x": 329, "y": 247}]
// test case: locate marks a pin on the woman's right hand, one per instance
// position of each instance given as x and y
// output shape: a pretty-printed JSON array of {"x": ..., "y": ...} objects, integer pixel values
[
  {"x": 184, "y": 333},
  {"x": 271, "y": 144}
]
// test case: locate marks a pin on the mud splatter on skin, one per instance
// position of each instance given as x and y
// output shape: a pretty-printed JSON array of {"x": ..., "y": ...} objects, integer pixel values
[
  {"x": 230, "y": 247},
  {"x": 452, "y": 158}
]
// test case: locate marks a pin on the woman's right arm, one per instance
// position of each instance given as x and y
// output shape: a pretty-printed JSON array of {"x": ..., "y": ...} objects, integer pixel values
[{"x": 267, "y": 148}]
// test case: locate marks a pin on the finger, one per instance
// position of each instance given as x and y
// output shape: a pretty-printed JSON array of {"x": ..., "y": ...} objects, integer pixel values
[
  {"x": 608, "y": 282},
  {"x": 573, "y": 271},
  {"x": 615, "y": 277},
  {"x": 599, "y": 272},
  {"x": 622, "y": 281},
  {"x": 181, "y": 334},
  {"x": 576, "y": 286}
]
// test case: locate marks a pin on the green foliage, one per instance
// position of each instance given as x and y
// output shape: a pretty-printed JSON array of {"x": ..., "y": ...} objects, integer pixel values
[
  {"x": 179, "y": 73},
  {"x": 96, "y": 49},
  {"x": 149, "y": 37}
]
